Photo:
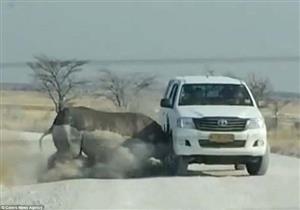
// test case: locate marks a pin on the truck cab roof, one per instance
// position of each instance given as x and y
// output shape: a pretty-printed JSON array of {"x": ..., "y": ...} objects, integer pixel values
[{"x": 207, "y": 80}]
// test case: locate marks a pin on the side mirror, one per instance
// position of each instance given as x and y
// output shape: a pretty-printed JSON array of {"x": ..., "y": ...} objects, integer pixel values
[{"x": 165, "y": 103}]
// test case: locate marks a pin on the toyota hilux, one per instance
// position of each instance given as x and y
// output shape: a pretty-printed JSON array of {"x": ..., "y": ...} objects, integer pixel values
[{"x": 213, "y": 120}]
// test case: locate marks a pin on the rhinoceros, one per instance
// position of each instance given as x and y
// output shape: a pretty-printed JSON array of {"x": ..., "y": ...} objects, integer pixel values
[{"x": 72, "y": 128}]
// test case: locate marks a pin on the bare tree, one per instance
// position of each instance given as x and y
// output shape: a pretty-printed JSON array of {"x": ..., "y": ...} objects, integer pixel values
[
  {"x": 276, "y": 108},
  {"x": 142, "y": 82},
  {"x": 121, "y": 88},
  {"x": 260, "y": 87},
  {"x": 57, "y": 78},
  {"x": 208, "y": 71}
]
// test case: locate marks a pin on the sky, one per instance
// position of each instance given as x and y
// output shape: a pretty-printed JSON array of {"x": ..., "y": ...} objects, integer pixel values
[{"x": 159, "y": 29}]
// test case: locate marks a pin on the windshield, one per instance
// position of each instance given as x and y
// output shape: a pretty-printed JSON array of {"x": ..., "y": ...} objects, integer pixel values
[{"x": 214, "y": 94}]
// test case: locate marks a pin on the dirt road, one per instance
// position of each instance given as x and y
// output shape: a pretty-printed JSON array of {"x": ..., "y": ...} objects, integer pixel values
[{"x": 206, "y": 187}]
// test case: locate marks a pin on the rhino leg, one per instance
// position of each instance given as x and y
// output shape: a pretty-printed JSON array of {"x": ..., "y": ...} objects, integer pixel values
[{"x": 67, "y": 139}]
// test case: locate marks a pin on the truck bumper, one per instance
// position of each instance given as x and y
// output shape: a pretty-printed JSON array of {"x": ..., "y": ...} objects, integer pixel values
[{"x": 192, "y": 142}]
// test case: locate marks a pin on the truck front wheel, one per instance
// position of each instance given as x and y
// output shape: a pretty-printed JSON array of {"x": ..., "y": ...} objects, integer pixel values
[
  {"x": 177, "y": 165},
  {"x": 182, "y": 166},
  {"x": 259, "y": 167}
]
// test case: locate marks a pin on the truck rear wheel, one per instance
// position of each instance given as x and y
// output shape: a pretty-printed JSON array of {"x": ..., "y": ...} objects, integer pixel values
[{"x": 260, "y": 167}]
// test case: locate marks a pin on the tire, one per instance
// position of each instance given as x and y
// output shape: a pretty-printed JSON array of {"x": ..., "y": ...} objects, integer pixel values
[
  {"x": 178, "y": 166},
  {"x": 182, "y": 166},
  {"x": 175, "y": 164},
  {"x": 260, "y": 167}
]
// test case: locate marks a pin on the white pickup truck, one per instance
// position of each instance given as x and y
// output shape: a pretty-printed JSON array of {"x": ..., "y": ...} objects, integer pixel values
[{"x": 213, "y": 120}]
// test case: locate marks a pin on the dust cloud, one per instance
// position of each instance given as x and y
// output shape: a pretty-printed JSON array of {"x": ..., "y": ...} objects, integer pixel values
[
  {"x": 20, "y": 161},
  {"x": 113, "y": 156}
]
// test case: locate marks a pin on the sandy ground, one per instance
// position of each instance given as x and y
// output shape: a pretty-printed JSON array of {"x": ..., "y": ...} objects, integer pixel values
[{"x": 206, "y": 187}]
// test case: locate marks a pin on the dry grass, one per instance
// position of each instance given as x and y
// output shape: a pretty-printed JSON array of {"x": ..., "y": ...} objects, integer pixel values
[
  {"x": 26, "y": 120},
  {"x": 292, "y": 108},
  {"x": 24, "y": 98},
  {"x": 33, "y": 111},
  {"x": 285, "y": 141}
]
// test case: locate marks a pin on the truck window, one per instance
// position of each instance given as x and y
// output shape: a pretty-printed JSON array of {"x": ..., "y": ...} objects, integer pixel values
[
  {"x": 167, "y": 92},
  {"x": 173, "y": 94},
  {"x": 214, "y": 94}
]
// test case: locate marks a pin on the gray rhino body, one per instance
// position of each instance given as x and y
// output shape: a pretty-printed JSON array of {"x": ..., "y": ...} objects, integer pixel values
[{"x": 74, "y": 130}]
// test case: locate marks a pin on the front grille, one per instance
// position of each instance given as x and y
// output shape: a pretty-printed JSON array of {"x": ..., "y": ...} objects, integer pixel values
[
  {"x": 213, "y": 124},
  {"x": 210, "y": 144}
]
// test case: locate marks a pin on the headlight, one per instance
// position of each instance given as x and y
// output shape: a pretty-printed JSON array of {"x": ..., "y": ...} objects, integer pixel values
[
  {"x": 255, "y": 123},
  {"x": 185, "y": 122}
]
